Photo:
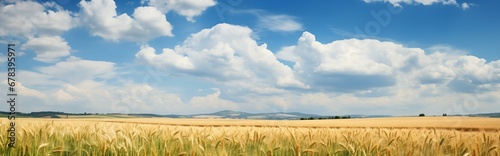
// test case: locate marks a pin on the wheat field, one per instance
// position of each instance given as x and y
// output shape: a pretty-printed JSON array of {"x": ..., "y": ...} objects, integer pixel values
[{"x": 248, "y": 137}]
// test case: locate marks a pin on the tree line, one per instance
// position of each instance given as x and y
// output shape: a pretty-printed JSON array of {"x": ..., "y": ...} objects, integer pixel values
[{"x": 325, "y": 118}]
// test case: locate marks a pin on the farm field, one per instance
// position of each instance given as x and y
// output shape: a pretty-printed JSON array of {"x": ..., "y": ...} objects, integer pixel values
[
  {"x": 161, "y": 136},
  {"x": 461, "y": 123}
]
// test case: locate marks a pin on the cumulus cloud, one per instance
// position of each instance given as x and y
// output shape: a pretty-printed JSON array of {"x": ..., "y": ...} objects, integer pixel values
[
  {"x": 340, "y": 75},
  {"x": 48, "y": 48},
  {"x": 25, "y": 91},
  {"x": 87, "y": 70},
  {"x": 364, "y": 66},
  {"x": 224, "y": 53},
  {"x": 474, "y": 74},
  {"x": 101, "y": 18},
  {"x": 167, "y": 58},
  {"x": 125, "y": 96},
  {"x": 28, "y": 18},
  {"x": 212, "y": 102},
  {"x": 41, "y": 81},
  {"x": 133, "y": 97},
  {"x": 435, "y": 74},
  {"x": 39, "y": 23},
  {"x": 186, "y": 8},
  {"x": 348, "y": 65},
  {"x": 71, "y": 85}
]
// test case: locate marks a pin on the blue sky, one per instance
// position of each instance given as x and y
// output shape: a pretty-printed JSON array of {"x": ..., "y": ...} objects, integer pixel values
[{"x": 396, "y": 57}]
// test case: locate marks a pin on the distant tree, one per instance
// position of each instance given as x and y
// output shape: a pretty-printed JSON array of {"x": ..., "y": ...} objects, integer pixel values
[
  {"x": 311, "y": 118},
  {"x": 421, "y": 114},
  {"x": 337, "y": 117},
  {"x": 445, "y": 114},
  {"x": 346, "y": 117}
]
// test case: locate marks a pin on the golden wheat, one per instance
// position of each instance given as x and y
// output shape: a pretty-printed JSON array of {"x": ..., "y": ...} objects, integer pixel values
[{"x": 65, "y": 137}]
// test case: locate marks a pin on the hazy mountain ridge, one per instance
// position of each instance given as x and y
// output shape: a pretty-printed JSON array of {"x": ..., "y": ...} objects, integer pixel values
[
  {"x": 225, "y": 114},
  {"x": 246, "y": 115}
]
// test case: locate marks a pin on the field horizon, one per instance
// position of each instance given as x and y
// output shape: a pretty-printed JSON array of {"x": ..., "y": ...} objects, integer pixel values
[{"x": 229, "y": 114}]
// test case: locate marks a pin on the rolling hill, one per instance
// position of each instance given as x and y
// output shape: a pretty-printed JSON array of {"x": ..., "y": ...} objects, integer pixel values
[{"x": 225, "y": 114}]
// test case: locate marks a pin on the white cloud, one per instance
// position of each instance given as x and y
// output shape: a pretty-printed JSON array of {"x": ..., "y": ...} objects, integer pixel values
[
  {"x": 340, "y": 76},
  {"x": 27, "y": 95},
  {"x": 369, "y": 66},
  {"x": 446, "y": 49},
  {"x": 186, "y": 8},
  {"x": 69, "y": 85},
  {"x": 41, "y": 81},
  {"x": 133, "y": 98},
  {"x": 28, "y": 18},
  {"x": 3, "y": 58},
  {"x": 465, "y": 6},
  {"x": 48, "y": 49},
  {"x": 283, "y": 23},
  {"x": 348, "y": 65},
  {"x": 435, "y": 74},
  {"x": 76, "y": 70},
  {"x": 474, "y": 74},
  {"x": 62, "y": 95},
  {"x": 123, "y": 97},
  {"x": 25, "y": 91},
  {"x": 274, "y": 22},
  {"x": 101, "y": 18},
  {"x": 211, "y": 103},
  {"x": 167, "y": 58},
  {"x": 40, "y": 24},
  {"x": 423, "y": 2},
  {"x": 224, "y": 53}
]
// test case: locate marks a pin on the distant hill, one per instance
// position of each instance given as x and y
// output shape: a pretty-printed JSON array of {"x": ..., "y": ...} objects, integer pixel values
[
  {"x": 226, "y": 114},
  {"x": 40, "y": 114},
  {"x": 369, "y": 116},
  {"x": 491, "y": 115},
  {"x": 245, "y": 115}
]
